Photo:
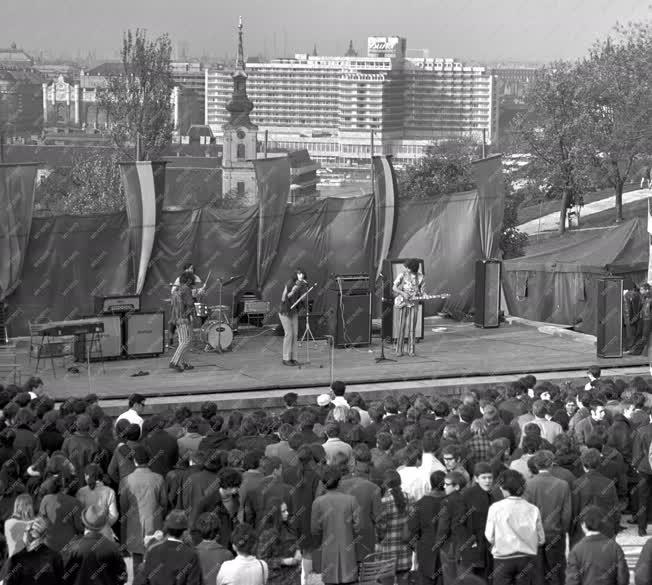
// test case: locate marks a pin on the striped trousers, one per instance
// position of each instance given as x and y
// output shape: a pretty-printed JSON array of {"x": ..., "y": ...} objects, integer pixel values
[
  {"x": 185, "y": 335},
  {"x": 407, "y": 328}
]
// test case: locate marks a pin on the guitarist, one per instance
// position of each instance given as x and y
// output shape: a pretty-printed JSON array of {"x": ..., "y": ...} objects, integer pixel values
[{"x": 407, "y": 286}]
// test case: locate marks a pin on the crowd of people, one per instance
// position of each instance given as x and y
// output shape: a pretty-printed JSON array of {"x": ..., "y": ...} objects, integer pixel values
[{"x": 523, "y": 484}]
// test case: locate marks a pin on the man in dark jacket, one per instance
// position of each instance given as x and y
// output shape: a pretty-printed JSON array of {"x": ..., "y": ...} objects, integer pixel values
[
  {"x": 553, "y": 498},
  {"x": 594, "y": 489},
  {"x": 453, "y": 530},
  {"x": 80, "y": 447},
  {"x": 265, "y": 501},
  {"x": 422, "y": 525},
  {"x": 641, "y": 439},
  {"x": 171, "y": 561},
  {"x": 94, "y": 558},
  {"x": 478, "y": 498},
  {"x": 216, "y": 439},
  {"x": 596, "y": 558},
  {"x": 162, "y": 447}
]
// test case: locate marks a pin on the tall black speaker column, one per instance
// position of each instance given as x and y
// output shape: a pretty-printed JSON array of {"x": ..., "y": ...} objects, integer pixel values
[
  {"x": 487, "y": 293},
  {"x": 609, "y": 316},
  {"x": 349, "y": 314}
]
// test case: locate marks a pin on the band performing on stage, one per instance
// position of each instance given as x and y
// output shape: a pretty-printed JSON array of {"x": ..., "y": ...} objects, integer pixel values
[{"x": 219, "y": 323}]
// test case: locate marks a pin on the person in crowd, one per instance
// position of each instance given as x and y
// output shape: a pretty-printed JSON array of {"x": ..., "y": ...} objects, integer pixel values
[
  {"x": 531, "y": 444},
  {"x": 135, "y": 410},
  {"x": 282, "y": 449},
  {"x": 515, "y": 532},
  {"x": 246, "y": 568},
  {"x": 162, "y": 447},
  {"x": 278, "y": 547},
  {"x": 80, "y": 448},
  {"x": 122, "y": 462},
  {"x": 63, "y": 513},
  {"x": 392, "y": 525},
  {"x": 36, "y": 563},
  {"x": 334, "y": 444},
  {"x": 594, "y": 489},
  {"x": 143, "y": 502},
  {"x": 552, "y": 496},
  {"x": 17, "y": 525},
  {"x": 335, "y": 524},
  {"x": 593, "y": 424},
  {"x": 270, "y": 496},
  {"x": 95, "y": 493},
  {"x": 452, "y": 458},
  {"x": 641, "y": 441},
  {"x": 478, "y": 497},
  {"x": 94, "y": 558},
  {"x": 211, "y": 553},
  {"x": 596, "y": 558},
  {"x": 171, "y": 560},
  {"x": 454, "y": 530},
  {"x": 190, "y": 440}
]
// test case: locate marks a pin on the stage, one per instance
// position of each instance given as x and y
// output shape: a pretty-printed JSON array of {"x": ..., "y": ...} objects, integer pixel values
[{"x": 449, "y": 350}]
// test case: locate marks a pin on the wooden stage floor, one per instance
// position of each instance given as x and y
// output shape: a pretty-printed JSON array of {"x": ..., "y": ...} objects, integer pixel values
[{"x": 449, "y": 350}]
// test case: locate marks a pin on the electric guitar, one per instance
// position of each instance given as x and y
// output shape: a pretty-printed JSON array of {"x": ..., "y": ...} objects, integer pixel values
[{"x": 401, "y": 301}]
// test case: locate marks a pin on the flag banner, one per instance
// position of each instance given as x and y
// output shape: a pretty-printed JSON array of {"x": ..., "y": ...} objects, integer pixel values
[
  {"x": 273, "y": 180},
  {"x": 385, "y": 195},
  {"x": 144, "y": 184},
  {"x": 17, "y": 184},
  {"x": 649, "y": 231}
]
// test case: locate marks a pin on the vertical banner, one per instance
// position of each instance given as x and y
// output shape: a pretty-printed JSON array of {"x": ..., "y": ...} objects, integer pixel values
[
  {"x": 490, "y": 185},
  {"x": 385, "y": 196},
  {"x": 273, "y": 182},
  {"x": 17, "y": 184},
  {"x": 144, "y": 184},
  {"x": 649, "y": 241}
]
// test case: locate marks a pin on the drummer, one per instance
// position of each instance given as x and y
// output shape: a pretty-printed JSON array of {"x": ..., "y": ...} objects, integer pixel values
[{"x": 198, "y": 290}]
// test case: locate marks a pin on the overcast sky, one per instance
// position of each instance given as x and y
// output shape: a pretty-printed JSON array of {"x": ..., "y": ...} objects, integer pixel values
[{"x": 514, "y": 30}]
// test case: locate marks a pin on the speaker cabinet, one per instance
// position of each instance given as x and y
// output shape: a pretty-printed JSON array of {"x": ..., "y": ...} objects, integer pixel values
[
  {"x": 390, "y": 316},
  {"x": 350, "y": 318},
  {"x": 145, "y": 334},
  {"x": 609, "y": 313},
  {"x": 487, "y": 293}
]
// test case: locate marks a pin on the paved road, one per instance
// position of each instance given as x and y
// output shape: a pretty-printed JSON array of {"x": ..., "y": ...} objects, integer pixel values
[{"x": 550, "y": 222}]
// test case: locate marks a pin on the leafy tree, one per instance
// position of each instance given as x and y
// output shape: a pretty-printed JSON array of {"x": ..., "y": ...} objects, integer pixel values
[
  {"x": 445, "y": 168},
  {"x": 512, "y": 241},
  {"x": 91, "y": 185},
  {"x": 616, "y": 93},
  {"x": 549, "y": 131},
  {"x": 138, "y": 101}
]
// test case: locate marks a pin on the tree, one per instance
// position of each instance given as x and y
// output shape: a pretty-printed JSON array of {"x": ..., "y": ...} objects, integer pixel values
[
  {"x": 91, "y": 185},
  {"x": 549, "y": 131},
  {"x": 138, "y": 101},
  {"x": 445, "y": 168},
  {"x": 512, "y": 241},
  {"x": 616, "y": 94}
]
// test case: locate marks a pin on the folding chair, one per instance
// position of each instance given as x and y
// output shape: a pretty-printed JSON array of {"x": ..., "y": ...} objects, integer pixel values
[{"x": 377, "y": 572}]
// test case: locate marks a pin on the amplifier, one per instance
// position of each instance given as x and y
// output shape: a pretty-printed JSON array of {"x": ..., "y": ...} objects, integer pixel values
[
  {"x": 117, "y": 304},
  {"x": 145, "y": 334},
  {"x": 256, "y": 307},
  {"x": 352, "y": 284}
]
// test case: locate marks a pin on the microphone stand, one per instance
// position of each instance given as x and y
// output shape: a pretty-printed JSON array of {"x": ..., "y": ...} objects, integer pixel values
[
  {"x": 307, "y": 334},
  {"x": 382, "y": 357}
]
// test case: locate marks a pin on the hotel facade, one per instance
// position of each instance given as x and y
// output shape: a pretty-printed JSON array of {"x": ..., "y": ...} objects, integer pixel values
[{"x": 331, "y": 105}]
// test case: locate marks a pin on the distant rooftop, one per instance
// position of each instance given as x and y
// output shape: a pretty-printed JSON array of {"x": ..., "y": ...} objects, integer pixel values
[
  {"x": 14, "y": 57},
  {"x": 108, "y": 69}
]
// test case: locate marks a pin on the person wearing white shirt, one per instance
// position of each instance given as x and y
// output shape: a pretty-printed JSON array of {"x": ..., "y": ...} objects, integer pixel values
[
  {"x": 514, "y": 530},
  {"x": 413, "y": 481},
  {"x": 136, "y": 408},
  {"x": 430, "y": 463},
  {"x": 245, "y": 569},
  {"x": 593, "y": 374},
  {"x": 338, "y": 389}
]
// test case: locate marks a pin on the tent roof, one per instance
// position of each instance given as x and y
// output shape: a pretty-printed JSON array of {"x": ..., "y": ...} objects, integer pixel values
[{"x": 621, "y": 249}]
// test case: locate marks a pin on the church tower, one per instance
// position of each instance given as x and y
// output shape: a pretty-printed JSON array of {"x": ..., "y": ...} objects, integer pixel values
[{"x": 240, "y": 142}]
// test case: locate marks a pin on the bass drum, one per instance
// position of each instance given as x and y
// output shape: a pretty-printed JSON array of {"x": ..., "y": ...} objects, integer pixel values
[{"x": 217, "y": 335}]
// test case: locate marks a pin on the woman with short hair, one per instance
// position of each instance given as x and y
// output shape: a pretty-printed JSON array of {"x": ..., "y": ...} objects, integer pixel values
[{"x": 245, "y": 569}]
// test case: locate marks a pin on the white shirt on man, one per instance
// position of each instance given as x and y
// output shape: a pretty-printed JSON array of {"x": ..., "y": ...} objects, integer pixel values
[
  {"x": 243, "y": 571},
  {"x": 514, "y": 528},
  {"x": 132, "y": 416}
]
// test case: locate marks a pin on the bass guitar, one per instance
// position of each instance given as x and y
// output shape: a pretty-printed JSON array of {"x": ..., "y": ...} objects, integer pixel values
[{"x": 401, "y": 301}]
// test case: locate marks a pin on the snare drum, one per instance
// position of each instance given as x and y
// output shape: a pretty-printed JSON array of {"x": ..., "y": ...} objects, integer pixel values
[
  {"x": 217, "y": 335},
  {"x": 201, "y": 310}
]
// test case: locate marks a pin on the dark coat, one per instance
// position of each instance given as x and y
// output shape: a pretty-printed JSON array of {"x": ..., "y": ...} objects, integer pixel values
[
  {"x": 217, "y": 441},
  {"x": 26, "y": 444},
  {"x": 477, "y": 503},
  {"x": 265, "y": 501},
  {"x": 367, "y": 494},
  {"x": 305, "y": 483},
  {"x": 163, "y": 450},
  {"x": 643, "y": 571},
  {"x": 308, "y": 437},
  {"x": 597, "y": 560},
  {"x": 619, "y": 436},
  {"x": 593, "y": 489},
  {"x": 212, "y": 502},
  {"x": 64, "y": 514},
  {"x": 80, "y": 449},
  {"x": 95, "y": 560},
  {"x": 170, "y": 562},
  {"x": 454, "y": 527},
  {"x": 41, "y": 566},
  {"x": 423, "y": 534},
  {"x": 196, "y": 486},
  {"x": 641, "y": 439},
  {"x": 51, "y": 440},
  {"x": 553, "y": 498}
]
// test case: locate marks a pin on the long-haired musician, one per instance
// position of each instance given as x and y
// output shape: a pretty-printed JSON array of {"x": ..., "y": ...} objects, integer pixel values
[
  {"x": 183, "y": 309},
  {"x": 197, "y": 289},
  {"x": 408, "y": 285},
  {"x": 289, "y": 315}
]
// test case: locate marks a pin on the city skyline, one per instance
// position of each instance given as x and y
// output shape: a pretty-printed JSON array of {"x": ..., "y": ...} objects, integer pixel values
[{"x": 498, "y": 30}]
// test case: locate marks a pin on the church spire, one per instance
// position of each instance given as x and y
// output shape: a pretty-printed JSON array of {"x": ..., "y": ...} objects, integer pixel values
[{"x": 240, "y": 106}]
